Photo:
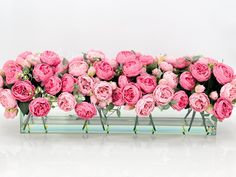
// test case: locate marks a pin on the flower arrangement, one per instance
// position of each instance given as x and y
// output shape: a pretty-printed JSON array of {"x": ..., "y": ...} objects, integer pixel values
[{"x": 35, "y": 83}]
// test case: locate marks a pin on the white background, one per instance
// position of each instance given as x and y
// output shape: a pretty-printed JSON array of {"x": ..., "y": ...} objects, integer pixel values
[{"x": 182, "y": 27}]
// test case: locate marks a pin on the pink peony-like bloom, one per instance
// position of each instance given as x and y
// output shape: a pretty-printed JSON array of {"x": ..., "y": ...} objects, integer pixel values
[
  {"x": 23, "y": 91},
  {"x": 180, "y": 63},
  {"x": 86, "y": 84},
  {"x": 125, "y": 56},
  {"x": 103, "y": 91},
  {"x": 123, "y": 81},
  {"x": 214, "y": 95},
  {"x": 199, "y": 89},
  {"x": 117, "y": 97},
  {"x": 181, "y": 99},
  {"x": 156, "y": 72},
  {"x": 222, "y": 109},
  {"x": 39, "y": 107},
  {"x": 146, "y": 59},
  {"x": 85, "y": 110},
  {"x": 6, "y": 99},
  {"x": 166, "y": 66},
  {"x": 200, "y": 71},
  {"x": 228, "y": 91},
  {"x": 10, "y": 113},
  {"x": 33, "y": 59},
  {"x": 50, "y": 58},
  {"x": 22, "y": 59},
  {"x": 42, "y": 72},
  {"x": 132, "y": 68},
  {"x": 94, "y": 55},
  {"x": 61, "y": 67},
  {"x": 53, "y": 85},
  {"x": 170, "y": 79},
  {"x": 145, "y": 106},
  {"x": 1, "y": 82},
  {"x": 12, "y": 71},
  {"x": 208, "y": 61},
  {"x": 147, "y": 83},
  {"x": 112, "y": 62},
  {"x": 163, "y": 94},
  {"x": 131, "y": 93},
  {"x": 68, "y": 82},
  {"x": 187, "y": 81},
  {"x": 78, "y": 67},
  {"x": 199, "y": 102},
  {"x": 66, "y": 101},
  {"x": 104, "y": 70},
  {"x": 223, "y": 73}
]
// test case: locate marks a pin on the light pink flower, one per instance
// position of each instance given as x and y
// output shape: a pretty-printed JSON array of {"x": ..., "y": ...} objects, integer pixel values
[
  {"x": 117, "y": 98},
  {"x": 223, "y": 73},
  {"x": 33, "y": 59},
  {"x": 200, "y": 71},
  {"x": 213, "y": 95},
  {"x": 222, "y": 109},
  {"x": 166, "y": 66},
  {"x": 145, "y": 106},
  {"x": 68, "y": 82},
  {"x": 156, "y": 72},
  {"x": 171, "y": 79},
  {"x": 50, "y": 58},
  {"x": 125, "y": 56},
  {"x": 23, "y": 91},
  {"x": 39, "y": 107},
  {"x": 199, "y": 89},
  {"x": 66, "y": 101},
  {"x": 163, "y": 94},
  {"x": 199, "y": 102},
  {"x": 123, "y": 81},
  {"x": 22, "y": 59},
  {"x": 42, "y": 72},
  {"x": 228, "y": 91},
  {"x": 103, "y": 91},
  {"x": 131, "y": 93},
  {"x": 12, "y": 71},
  {"x": 147, "y": 83},
  {"x": 132, "y": 68},
  {"x": 6, "y": 99},
  {"x": 85, "y": 110},
  {"x": 94, "y": 55},
  {"x": 181, "y": 99},
  {"x": 104, "y": 70},
  {"x": 78, "y": 67},
  {"x": 1, "y": 82},
  {"x": 187, "y": 81},
  {"x": 61, "y": 67},
  {"x": 53, "y": 85},
  {"x": 208, "y": 60},
  {"x": 181, "y": 63},
  {"x": 10, "y": 113},
  {"x": 112, "y": 62},
  {"x": 86, "y": 84},
  {"x": 146, "y": 59}
]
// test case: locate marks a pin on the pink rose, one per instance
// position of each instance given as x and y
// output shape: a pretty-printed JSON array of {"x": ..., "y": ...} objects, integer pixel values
[
  {"x": 125, "y": 56},
  {"x": 123, "y": 81},
  {"x": 223, "y": 73},
  {"x": 1, "y": 82},
  {"x": 50, "y": 58},
  {"x": 61, "y": 67},
  {"x": 78, "y": 67},
  {"x": 166, "y": 66},
  {"x": 85, "y": 110},
  {"x": 94, "y": 55},
  {"x": 199, "y": 89},
  {"x": 23, "y": 91},
  {"x": 103, "y": 91},
  {"x": 132, "y": 68},
  {"x": 131, "y": 94},
  {"x": 146, "y": 59},
  {"x": 53, "y": 85},
  {"x": 187, "y": 81},
  {"x": 42, "y": 72},
  {"x": 66, "y": 101},
  {"x": 10, "y": 113},
  {"x": 112, "y": 62},
  {"x": 22, "y": 59},
  {"x": 104, "y": 70},
  {"x": 33, "y": 59},
  {"x": 68, "y": 82},
  {"x": 200, "y": 71},
  {"x": 213, "y": 95},
  {"x": 228, "y": 91},
  {"x": 181, "y": 99},
  {"x": 117, "y": 97},
  {"x": 12, "y": 71},
  {"x": 171, "y": 79},
  {"x": 199, "y": 102},
  {"x": 86, "y": 84},
  {"x": 39, "y": 107},
  {"x": 207, "y": 61},
  {"x": 147, "y": 83},
  {"x": 181, "y": 63},
  {"x": 6, "y": 99},
  {"x": 156, "y": 72},
  {"x": 222, "y": 109},
  {"x": 145, "y": 106},
  {"x": 163, "y": 94}
]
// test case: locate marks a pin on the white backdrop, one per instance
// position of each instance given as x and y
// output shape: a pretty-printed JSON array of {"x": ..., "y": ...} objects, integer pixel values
[{"x": 71, "y": 27}]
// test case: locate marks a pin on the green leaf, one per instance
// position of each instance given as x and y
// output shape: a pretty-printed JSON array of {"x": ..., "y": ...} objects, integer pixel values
[
  {"x": 196, "y": 57},
  {"x": 214, "y": 118},
  {"x": 151, "y": 67},
  {"x": 24, "y": 107},
  {"x": 118, "y": 112},
  {"x": 165, "y": 107},
  {"x": 110, "y": 106},
  {"x": 173, "y": 102},
  {"x": 26, "y": 70},
  {"x": 105, "y": 111},
  {"x": 79, "y": 98},
  {"x": 65, "y": 61}
]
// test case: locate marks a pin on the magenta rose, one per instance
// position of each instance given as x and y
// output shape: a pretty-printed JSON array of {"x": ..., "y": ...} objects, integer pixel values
[
  {"x": 50, "y": 58},
  {"x": 187, "y": 81},
  {"x": 22, "y": 59},
  {"x": 85, "y": 110},
  {"x": 181, "y": 63},
  {"x": 181, "y": 100},
  {"x": 66, "y": 101},
  {"x": 42, "y": 72},
  {"x": 103, "y": 91},
  {"x": 199, "y": 102},
  {"x": 39, "y": 107},
  {"x": 12, "y": 71},
  {"x": 53, "y": 85},
  {"x": 132, "y": 68},
  {"x": 163, "y": 94},
  {"x": 223, "y": 73},
  {"x": 123, "y": 81},
  {"x": 200, "y": 71},
  {"x": 86, "y": 84},
  {"x": 228, "y": 91},
  {"x": 147, "y": 83},
  {"x": 23, "y": 91},
  {"x": 78, "y": 67},
  {"x": 125, "y": 56},
  {"x": 131, "y": 93},
  {"x": 6, "y": 99},
  {"x": 117, "y": 97},
  {"x": 222, "y": 109},
  {"x": 68, "y": 82},
  {"x": 146, "y": 59},
  {"x": 94, "y": 55},
  {"x": 104, "y": 70},
  {"x": 170, "y": 78},
  {"x": 145, "y": 106}
]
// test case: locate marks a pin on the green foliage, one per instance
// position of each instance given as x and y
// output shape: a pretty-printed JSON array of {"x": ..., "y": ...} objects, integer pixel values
[
  {"x": 214, "y": 118},
  {"x": 24, "y": 107}
]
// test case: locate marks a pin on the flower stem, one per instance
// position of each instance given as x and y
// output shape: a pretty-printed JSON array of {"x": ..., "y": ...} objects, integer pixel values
[
  {"x": 204, "y": 121},
  {"x": 135, "y": 124},
  {"x": 85, "y": 126},
  {"x": 27, "y": 121},
  {"x": 152, "y": 122},
  {"x": 189, "y": 111},
  {"x": 100, "y": 115},
  {"x": 191, "y": 122},
  {"x": 44, "y": 124}
]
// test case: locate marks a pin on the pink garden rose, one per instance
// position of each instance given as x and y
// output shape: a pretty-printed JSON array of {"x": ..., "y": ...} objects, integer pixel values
[
  {"x": 117, "y": 97},
  {"x": 147, "y": 83},
  {"x": 23, "y": 91},
  {"x": 166, "y": 66},
  {"x": 61, "y": 67},
  {"x": 223, "y": 73},
  {"x": 33, "y": 59},
  {"x": 163, "y": 94},
  {"x": 125, "y": 56},
  {"x": 169, "y": 78},
  {"x": 10, "y": 113},
  {"x": 85, "y": 110},
  {"x": 1, "y": 82},
  {"x": 103, "y": 91},
  {"x": 78, "y": 67},
  {"x": 208, "y": 61},
  {"x": 187, "y": 81},
  {"x": 22, "y": 59},
  {"x": 112, "y": 62},
  {"x": 228, "y": 91},
  {"x": 53, "y": 85},
  {"x": 222, "y": 109},
  {"x": 42, "y": 72},
  {"x": 213, "y": 95},
  {"x": 200, "y": 71},
  {"x": 123, "y": 81},
  {"x": 180, "y": 63},
  {"x": 68, "y": 82},
  {"x": 39, "y": 107},
  {"x": 146, "y": 59},
  {"x": 145, "y": 106},
  {"x": 12, "y": 71},
  {"x": 66, "y": 101},
  {"x": 6, "y": 99},
  {"x": 132, "y": 68},
  {"x": 50, "y": 58},
  {"x": 156, "y": 72},
  {"x": 181, "y": 99},
  {"x": 104, "y": 70},
  {"x": 199, "y": 102},
  {"x": 131, "y": 93},
  {"x": 94, "y": 55},
  {"x": 199, "y": 89},
  {"x": 86, "y": 84}
]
